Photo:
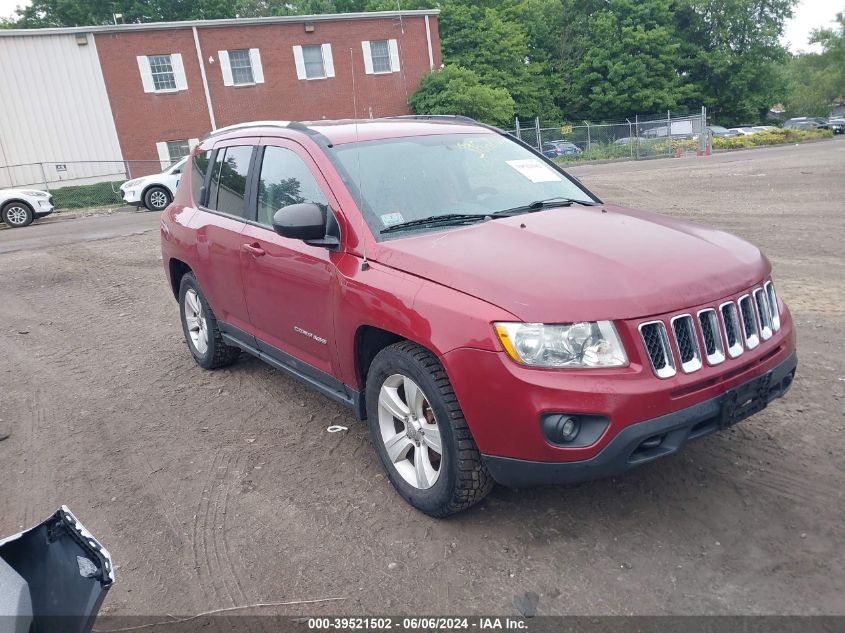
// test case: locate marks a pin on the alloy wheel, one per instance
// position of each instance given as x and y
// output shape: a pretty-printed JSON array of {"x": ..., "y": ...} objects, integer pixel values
[
  {"x": 195, "y": 320},
  {"x": 16, "y": 215},
  {"x": 409, "y": 431},
  {"x": 158, "y": 199}
]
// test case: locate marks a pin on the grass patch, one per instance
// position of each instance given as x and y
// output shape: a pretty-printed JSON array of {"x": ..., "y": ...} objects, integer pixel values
[{"x": 84, "y": 196}]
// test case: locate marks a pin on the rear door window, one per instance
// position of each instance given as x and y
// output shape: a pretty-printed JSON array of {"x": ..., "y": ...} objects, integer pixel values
[{"x": 227, "y": 188}]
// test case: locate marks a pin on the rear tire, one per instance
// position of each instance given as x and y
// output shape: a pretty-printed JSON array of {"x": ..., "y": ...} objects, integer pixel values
[
  {"x": 200, "y": 327},
  {"x": 157, "y": 198},
  {"x": 412, "y": 410},
  {"x": 17, "y": 215}
]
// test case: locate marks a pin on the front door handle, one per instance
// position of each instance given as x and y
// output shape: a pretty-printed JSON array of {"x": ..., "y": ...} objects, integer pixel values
[{"x": 253, "y": 249}]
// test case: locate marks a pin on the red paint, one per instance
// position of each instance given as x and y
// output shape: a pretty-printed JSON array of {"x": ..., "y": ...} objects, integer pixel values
[{"x": 444, "y": 290}]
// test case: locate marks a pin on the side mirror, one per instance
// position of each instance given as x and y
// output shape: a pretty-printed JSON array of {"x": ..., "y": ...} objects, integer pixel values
[{"x": 307, "y": 222}]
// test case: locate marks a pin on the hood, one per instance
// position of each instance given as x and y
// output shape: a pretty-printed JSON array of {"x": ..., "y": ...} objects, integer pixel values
[{"x": 582, "y": 263}]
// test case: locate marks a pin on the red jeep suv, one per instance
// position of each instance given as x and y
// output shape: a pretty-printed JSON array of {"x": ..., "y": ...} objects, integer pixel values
[{"x": 490, "y": 318}]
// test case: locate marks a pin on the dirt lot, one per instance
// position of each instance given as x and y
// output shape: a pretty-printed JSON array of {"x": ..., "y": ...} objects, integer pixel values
[{"x": 219, "y": 489}]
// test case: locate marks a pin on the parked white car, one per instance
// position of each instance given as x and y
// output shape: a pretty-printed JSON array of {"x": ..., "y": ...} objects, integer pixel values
[
  {"x": 153, "y": 192},
  {"x": 19, "y": 207}
]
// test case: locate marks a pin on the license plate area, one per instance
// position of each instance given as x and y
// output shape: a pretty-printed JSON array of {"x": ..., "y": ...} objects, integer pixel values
[{"x": 745, "y": 401}]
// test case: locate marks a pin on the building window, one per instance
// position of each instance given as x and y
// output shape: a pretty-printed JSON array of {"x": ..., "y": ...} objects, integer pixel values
[
  {"x": 161, "y": 68},
  {"x": 380, "y": 55},
  {"x": 178, "y": 149},
  {"x": 162, "y": 73},
  {"x": 313, "y": 62},
  {"x": 313, "y": 58},
  {"x": 170, "y": 152},
  {"x": 241, "y": 67}
]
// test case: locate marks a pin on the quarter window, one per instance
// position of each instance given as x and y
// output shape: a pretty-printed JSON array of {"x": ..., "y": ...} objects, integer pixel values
[
  {"x": 227, "y": 188},
  {"x": 380, "y": 55},
  {"x": 285, "y": 179},
  {"x": 314, "y": 65},
  {"x": 241, "y": 66},
  {"x": 161, "y": 68},
  {"x": 199, "y": 168}
]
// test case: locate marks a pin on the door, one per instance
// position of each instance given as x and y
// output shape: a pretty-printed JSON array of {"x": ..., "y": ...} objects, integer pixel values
[
  {"x": 289, "y": 285},
  {"x": 219, "y": 223}
]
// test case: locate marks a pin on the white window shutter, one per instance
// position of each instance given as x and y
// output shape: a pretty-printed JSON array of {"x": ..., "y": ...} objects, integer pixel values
[
  {"x": 257, "y": 70},
  {"x": 192, "y": 143},
  {"x": 225, "y": 67},
  {"x": 179, "y": 71},
  {"x": 328, "y": 62},
  {"x": 163, "y": 155},
  {"x": 146, "y": 73},
  {"x": 394, "y": 55},
  {"x": 368, "y": 57},
  {"x": 299, "y": 60}
]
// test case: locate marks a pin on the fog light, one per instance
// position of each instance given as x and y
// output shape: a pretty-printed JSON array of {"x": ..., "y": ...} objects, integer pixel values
[{"x": 569, "y": 429}]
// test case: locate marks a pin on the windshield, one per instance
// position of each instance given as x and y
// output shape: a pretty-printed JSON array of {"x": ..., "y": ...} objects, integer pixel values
[{"x": 411, "y": 178}]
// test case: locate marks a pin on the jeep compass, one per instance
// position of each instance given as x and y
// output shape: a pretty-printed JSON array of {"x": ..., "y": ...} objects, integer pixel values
[{"x": 488, "y": 316}]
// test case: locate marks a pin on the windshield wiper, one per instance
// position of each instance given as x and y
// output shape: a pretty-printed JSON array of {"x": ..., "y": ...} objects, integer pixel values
[
  {"x": 537, "y": 205},
  {"x": 438, "y": 220}
]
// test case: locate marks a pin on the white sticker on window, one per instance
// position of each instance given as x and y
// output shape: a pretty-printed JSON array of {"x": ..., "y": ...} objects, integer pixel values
[
  {"x": 534, "y": 170},
  {"x": 389, "y": 219}
]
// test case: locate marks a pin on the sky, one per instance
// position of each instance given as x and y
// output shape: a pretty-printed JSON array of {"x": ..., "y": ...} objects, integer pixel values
[{"x": 809, "y": 14}]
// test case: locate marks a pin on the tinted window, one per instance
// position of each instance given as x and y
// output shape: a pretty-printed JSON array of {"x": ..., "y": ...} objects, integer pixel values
[
  {"x": 227, "y": 188},
  {"x": 285, "y": 179},
  {"x": 199, "y": 167}
]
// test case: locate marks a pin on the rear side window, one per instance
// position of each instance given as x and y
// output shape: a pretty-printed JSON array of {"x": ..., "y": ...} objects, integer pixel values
[
  {"x": 199, "y": 167},
  {"x": 227, "y": 188},
  {"x": 285, "y": 179}
]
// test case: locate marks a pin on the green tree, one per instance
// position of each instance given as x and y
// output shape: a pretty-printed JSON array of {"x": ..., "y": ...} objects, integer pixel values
[
  {"x": 732, "y": 55},
  {"x": 456, "y": 90},
  {"x": 618, "y": 58},
  {"x": 817, "y": 80}
]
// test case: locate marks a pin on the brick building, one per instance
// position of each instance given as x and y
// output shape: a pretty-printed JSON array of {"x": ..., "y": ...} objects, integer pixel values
[{"x": 164, "y": 85}]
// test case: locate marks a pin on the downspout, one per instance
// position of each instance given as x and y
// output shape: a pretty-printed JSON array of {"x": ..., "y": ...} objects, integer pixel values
[{"x": 204, "y": 80}]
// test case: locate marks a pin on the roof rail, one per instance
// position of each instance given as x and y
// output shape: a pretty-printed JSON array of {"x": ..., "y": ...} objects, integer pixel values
[
  {"x": 458, "y": 118},
  {"x": 246, "y": 124}
]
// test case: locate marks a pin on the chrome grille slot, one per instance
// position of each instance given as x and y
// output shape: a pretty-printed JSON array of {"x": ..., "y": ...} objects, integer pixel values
[
  {"x": 761, "y": 300},
  {"x": 656, "y": 343},
  {"x": 688, "y": 350},
  {"x": 773, "y": 305},
  {"x": 748, "y": 320},
  {"x": 730, "y": 322},
  {"x": 714, "y": 347}
]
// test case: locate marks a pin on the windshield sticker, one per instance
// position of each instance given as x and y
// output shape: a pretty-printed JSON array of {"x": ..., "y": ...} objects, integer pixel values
[
  {"x": 534, "y": 170},
  {"x": 389, "y": 219}
]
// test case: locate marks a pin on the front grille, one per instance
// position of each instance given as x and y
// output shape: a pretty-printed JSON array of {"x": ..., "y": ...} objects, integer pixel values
[
  {"x": 765, "y": 314},
  {"x": 688, "y": 352},
  {"x": 749, "y": 322},
  {"x": 724, "y": 333},
  {"x": 714, "y": 348},
  {"x": 657, "y": 345}
]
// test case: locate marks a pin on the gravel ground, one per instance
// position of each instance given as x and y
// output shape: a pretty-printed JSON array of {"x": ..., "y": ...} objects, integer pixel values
[{"x": 220, "y": 489}]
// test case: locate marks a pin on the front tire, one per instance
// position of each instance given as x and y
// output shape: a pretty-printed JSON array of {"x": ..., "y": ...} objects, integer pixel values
[
  {"x": 420, "y": 433},
  {"x": 157, "y": 198},
  {"x": 200, "y": 328},
  {"x": 17, "y": 214}
]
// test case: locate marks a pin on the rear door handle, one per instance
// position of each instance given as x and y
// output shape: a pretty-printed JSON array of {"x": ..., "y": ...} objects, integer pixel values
[{"x": 253, "y": 249}]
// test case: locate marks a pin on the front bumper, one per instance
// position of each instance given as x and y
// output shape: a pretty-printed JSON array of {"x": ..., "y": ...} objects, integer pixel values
[
  {"x": 43, "y": 208},
  {"x": 132, "y": 197},
  {"x": 626, "y": 449}
]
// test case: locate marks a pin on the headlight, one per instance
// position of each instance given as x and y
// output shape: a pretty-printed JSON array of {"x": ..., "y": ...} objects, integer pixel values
[
  {"x": 585, "y": 344},
  {"x": 130, "y": 183},
  {"x": 36, "y": 194}
]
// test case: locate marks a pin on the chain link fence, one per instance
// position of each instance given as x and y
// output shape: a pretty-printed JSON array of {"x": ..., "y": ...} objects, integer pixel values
[
  {"x": 79, "y": 184},
  {"x": 663, "y": 135}
]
